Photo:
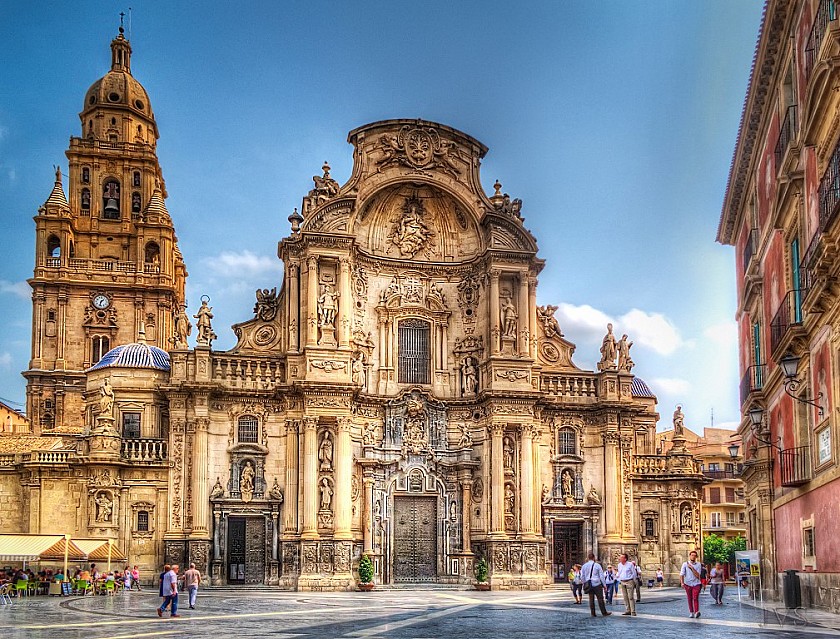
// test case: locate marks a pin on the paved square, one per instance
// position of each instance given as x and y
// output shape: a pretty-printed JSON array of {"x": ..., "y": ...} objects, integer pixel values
[{"x": 409, "y": 614}]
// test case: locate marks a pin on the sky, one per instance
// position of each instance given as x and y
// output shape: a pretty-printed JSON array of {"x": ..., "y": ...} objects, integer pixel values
[{"x": 613, "y": 121}]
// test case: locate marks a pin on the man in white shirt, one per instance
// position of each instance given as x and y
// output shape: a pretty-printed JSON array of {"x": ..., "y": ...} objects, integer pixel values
[
  {"x": 637, "y": 585},
  {"x": 690, "y": 580},
  {"x": 627, "y": 579},
  {"x": 170, "y": 592},
  {"x": 593, "y": 574}
]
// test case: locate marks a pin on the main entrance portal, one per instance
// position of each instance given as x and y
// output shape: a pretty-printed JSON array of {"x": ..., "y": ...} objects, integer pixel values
[
  {"x": 246, "y": 550},
  {"x": 415, "y": 539},
  {"x": 567, "y": 548}
]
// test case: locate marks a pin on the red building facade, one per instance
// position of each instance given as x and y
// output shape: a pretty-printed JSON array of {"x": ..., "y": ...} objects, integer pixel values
[{"x": 781, "y": 213}]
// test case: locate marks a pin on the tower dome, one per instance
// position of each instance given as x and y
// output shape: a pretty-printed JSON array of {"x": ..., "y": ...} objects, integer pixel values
[{"x": 136, "y": 355}]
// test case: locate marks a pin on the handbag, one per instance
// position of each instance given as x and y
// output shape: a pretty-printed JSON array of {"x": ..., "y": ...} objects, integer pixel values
[{"x": 587, "y": 585}]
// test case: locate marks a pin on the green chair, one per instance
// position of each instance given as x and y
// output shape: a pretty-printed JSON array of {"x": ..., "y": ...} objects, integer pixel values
[
  {"x": 21, "y": 587},
  {"x": 110, "y": 588},
  {"x": 84, "y": 587}
]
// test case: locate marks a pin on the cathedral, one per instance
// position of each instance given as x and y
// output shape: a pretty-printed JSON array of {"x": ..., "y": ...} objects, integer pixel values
[{"x": 400, "y": 394}]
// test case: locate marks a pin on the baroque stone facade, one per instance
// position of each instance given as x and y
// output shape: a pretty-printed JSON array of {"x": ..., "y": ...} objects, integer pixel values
[{"x": 401, "y": 395}]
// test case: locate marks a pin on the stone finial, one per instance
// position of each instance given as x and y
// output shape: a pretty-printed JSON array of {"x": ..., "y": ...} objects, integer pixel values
[{"x": 295, "y": 219}]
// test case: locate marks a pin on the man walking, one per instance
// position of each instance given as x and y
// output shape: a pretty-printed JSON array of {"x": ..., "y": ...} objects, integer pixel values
[
  {"x": 638, "y": 583},
  {"x": 593, "y": 577},
  {"x": 690, "y": 580},
  {"x": 169, "y": 589},
  {"x": 191, "y": 580},
  {"x": 627, "y": 579}
]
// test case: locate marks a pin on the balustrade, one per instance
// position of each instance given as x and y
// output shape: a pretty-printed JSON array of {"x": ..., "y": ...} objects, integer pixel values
[
  {"x": 247, "y": 373},
  {"x": 569, "y": 385},
  {"x": 144, "y": 450},
  {"x": 648, "y": 464}
]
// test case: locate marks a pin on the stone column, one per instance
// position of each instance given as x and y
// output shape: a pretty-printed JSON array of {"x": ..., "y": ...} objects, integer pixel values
[
  {"x": 275, "y": 538},
  {"x": 526, "y": 480},
  {"x": 345, "y": 304},
  {"x": 532, "y": 314},
  {"x": 497, "y": 481},
  {"x": 290, "y": 499},
  {"x": 524, "y": 317},
  {"x": 368, "y": 515},
  {"x": 537, "y": 525},
  {"x": 343, "y": 472},
  {"x": 466, "y": 501},
  {"x": 217, "y": 553},
  {"x": 495, "y": 329},
  {"x": 310, "y": 478},
  {"x": 294, "y": 306},
  {"x": 61, "y": 335},
  {"x": 312, "y": 301},
  {"x": 201, "y": 501},
  {"x": 612, "y": 489}
]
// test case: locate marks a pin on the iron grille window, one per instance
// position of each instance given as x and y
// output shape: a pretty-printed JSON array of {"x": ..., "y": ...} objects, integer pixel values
[
  {"x": 414, "y": 354},
  {"x": 131, "y": 425},
  {"x": 248, "y": 430},
  {"x": 808, "y": 543},
  {"x": 567, "y": 442},
  {"x": 649, "y": 527},
  {"x": 143, "y": 521}
]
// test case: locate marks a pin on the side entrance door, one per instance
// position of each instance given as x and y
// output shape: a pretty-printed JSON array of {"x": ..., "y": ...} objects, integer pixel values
[
  {"x": 415, "y": 539},
  {"x": 567, "y": 548},
  {"x": 246, "y": 550}
]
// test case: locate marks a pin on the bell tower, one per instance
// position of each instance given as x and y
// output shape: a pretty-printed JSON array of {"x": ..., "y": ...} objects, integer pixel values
[{"x": 106, "y": 253}]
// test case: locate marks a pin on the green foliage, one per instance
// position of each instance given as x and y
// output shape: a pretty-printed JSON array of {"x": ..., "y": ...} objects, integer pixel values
[
  {"x": 715, "y": 549},
  {"x": 481, "y": 570},
  {"x": 739, "y": 543},
  {"x": 365, "y": 570}
]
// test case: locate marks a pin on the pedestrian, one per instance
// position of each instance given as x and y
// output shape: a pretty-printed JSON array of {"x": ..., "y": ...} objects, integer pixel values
[
  {"x": 593, "y": 581},
  {"x": 160, "y": 579},
  {"x": 135, "y": 578},
  {"x": 690, "y": 581},
  {"x": 126, "y": 579},
  {"x": 192, "y": 578},
  {"x": 717, "y": 581},
  {"x": 637, "y": 585},
  {"x": 169, "y": 589},
  {"x": 609, "y": 584},
  {"x": 704, "y": 577},
  {"x": 627, "y": 579},
  {"x": 660, "y": 577},
  {"x": 576, "y": 583}
]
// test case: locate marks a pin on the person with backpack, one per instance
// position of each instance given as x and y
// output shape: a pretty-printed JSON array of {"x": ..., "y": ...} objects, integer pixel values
[
  {"x": 576, "y": 583},
  {"x": 592, "y": 576},
  {"x": 690, "y": 581},
  {"x": 610, "y": 584}
]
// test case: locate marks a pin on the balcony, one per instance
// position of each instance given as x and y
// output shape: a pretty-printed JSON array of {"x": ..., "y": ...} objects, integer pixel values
[
  {"x": 786, "y": 133},
  {"x": 829, "y": 191},
  {"x": 826, "y": 12},
  {"x": 795, "y": 466},
  {"x": 750, "y": 248},
  {"x": 752, "y": 381},
  {"x": 787, "y": 318},
  {"x": 721, "y": 474},
  {"x": 149, "y": 451}
]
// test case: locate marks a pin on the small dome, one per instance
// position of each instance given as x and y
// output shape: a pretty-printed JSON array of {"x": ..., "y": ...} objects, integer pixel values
[
  {"x": 640, "y": 389},
  {"x": 137, "y": 355}
]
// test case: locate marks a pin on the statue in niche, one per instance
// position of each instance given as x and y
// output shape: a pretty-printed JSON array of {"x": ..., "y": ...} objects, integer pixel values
[
  {"x": 687, "y": 519},
  {"x": 203, "y": 324},
  {"x": 104, "y": 507},
  {"x": 326, "y": 494},
  {"x": 550, "y": 325},
  {"x": 106, "y": 399},
  {"x": 410, "y": 232},
  {"x": 453, "y": 510},
  {"x": 358, "y": 369},
  {"x": 507, "y": 452},
  {"x": 246, "y": 482},
  {"x": 510, "y": 499},
  {"x": 608, "y": 351},
  {"x": 217, "y": 490},
  {"x": 593, "y": 497},
  {"x": 469, "y": 374},
  {"x": 369, "y": 434},
  {"x": 415, "y": 423},
  {"x": 679, "y": 422},
  {"x": 327, "y": 306},
  {"x": 275, "y": 492},
  {"x": 509, "y": 317},
  {"x": 183, "y": 328},
  {"x": 568, "y": 481},
  {"x": 624, "y": 361},
  {"x": 325, "y": 452}
]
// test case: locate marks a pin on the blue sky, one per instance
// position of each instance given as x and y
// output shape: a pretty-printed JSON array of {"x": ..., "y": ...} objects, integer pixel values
[{"x": 613, "y": 121}]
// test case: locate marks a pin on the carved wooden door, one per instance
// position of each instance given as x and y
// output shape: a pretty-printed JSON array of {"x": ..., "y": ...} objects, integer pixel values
[
  {"x": 254, "y": 550},
  {"x": 567, "y": 549},
  {"x": 236, "y": 550},
  {"x": 415, "y": 539}
]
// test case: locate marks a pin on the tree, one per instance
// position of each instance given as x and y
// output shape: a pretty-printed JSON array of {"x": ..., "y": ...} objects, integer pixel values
[
  {"x": 739, "y": 543},
  {"x": 715, "y": 549}
]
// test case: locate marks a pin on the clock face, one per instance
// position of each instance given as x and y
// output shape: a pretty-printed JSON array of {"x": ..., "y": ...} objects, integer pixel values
[{"x": 101, "y": 302}]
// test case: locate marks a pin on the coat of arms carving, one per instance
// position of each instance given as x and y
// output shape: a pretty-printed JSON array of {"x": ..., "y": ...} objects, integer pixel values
[{"x": 418, "y": 148}]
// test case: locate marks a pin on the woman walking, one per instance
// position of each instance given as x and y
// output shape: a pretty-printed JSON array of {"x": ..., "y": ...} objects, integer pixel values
[{"x": 576, "y": 580}]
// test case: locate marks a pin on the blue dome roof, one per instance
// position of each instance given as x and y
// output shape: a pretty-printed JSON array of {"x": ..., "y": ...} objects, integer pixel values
[
  {"x": 134, "y": 356},
  {"x": 640, "y": 389}
]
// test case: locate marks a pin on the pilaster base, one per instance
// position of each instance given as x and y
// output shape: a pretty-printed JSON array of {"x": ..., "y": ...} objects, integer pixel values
[{"x": 515, "y": 565}]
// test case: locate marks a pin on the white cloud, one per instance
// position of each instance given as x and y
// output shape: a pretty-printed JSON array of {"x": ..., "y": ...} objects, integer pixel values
[
  {"x": 725, "y": 333},
  {"x": 582, "y": 321},
  {"x": 5, "y": 361},
  {"x": 670, "y": 385},
  {"x": 243, "y": 264},
  {"x": 21, "y": 289}
]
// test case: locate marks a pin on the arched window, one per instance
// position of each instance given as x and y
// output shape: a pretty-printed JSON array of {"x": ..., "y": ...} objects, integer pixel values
[
  {"x": 142, "y": 521},
  {"x": 248, "y": 429},
  {"x": 111, "y": 200},
  {"x": 86, "y": 199},
  {"x": 100, "y": 344},
  {"x": 53, "y": 246},
  {"x": 135, "y": 179},
  {"x": 567, "y": 442},
  {"x": 414, "y": 353},
  {"x": 85, "y": 175},
  {"x": 135, "y": 202},
  {"x": 152, "y": 253}
]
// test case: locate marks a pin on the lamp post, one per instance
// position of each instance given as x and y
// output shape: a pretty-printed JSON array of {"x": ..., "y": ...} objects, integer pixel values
[
  {"x": 110, "y": 546},
  {"x": 790, "y": 367},
  {"x": 66, "y": 552}
]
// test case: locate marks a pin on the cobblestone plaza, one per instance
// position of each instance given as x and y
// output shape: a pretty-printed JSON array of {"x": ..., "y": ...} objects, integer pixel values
[{"x": 411, "y": 614}]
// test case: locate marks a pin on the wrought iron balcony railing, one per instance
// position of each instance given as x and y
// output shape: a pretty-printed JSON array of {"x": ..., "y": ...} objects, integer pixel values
[
  {"x": 720, "y": 474},
  {"x": 752, "y": 381},
  {"x": 795, "y": 466},
  {"x": 786, "y": 133},
  {"x": 826, "y": 12},
  {"x": 750, "y": 248},
  {"x": 829, "y": 191},
  {"x": 787, "y": 316}
]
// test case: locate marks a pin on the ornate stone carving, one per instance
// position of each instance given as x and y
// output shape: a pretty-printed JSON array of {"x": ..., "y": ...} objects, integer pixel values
[
  {"x": 465, "y": 440},
  {"x": 267, "y": 304},
  {"x": 203, "y": 324},
  {"x": 325, "y": 187},
  {"x": 410, "y": 232},
  {"x": 218, "y": 490},
  {"x": 415, "y": 422},
  {"x": 328, "y": 365},
  {"x": 246, "y": 482},
  {"x": 550, "y": 326},
  {"x": 608, "y": 351},
  {"x": 418, "y": 148},
  {"x": 625, "y": 363},
  {"x": 104, "y": 507},
  {"x": 593, "y": 498},
  {"x": 512, "y": 375},
  {"x": 275, "y": 492},
  {"x": 478, "y": 491},
  {"x": 469, "y": 291}
]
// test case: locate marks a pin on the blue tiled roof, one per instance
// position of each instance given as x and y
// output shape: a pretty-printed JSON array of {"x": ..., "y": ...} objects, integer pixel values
[
  {"x": 134, "y": 356},
  {"x": 640, "y": 389}
]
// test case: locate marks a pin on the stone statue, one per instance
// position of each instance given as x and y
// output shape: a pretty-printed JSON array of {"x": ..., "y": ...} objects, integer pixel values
[
  {"x": 509, "y": 317},
  {"x": 369, "y": 434},
  {"x": 507, "y": 451},
  {"x": 453, "y": 511},
  {"x": 470, "y": 376},
  {"x": 545, "y": 493},
  {"x": 104, "y": 507},
  {"x": 106, "y": 399},
  {"x": 466, "y": 437},
  {"x": 593, "y": 497},
  {"x": 325, "y": 186},
  {"x": 325, "y": 452},
  {"x": 687, "y": 519},
  {"x": 358, "y": 368},
  {"x": 410, "y": 233},
  {"x": 568, "y": 483},
  {"x": 205, "y": 330},
  {"x": 546, "y": 316},
  {"x": 327, "y": 306},
  {"x": 267, "y": 304},
  {"x": 510, "y": 499},
  {"x": 326, "y": 494},
  {"x": 414, "y": 433},
  {"x": 624, "y": 361},
  {"x": 183, "y": 328},
  {"x": 275, "y": 492},
  {"x": 246, "y": 482},
  {"x": 217, "y": 490},
  {"x": 608, "y": 350},
  {"x": 679, "y": 422}
]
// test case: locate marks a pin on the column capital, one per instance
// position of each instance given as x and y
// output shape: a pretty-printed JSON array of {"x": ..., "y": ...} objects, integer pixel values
[
  {"x": 345, "y": 263},
  {"x": 202, "y": 424},
  {"x": 344, "y": 424},
  {"x": 497, "y": 430},
  {"x": 528, "y": 430},
  {"x": 292, "y": 426},
  {"x": 495, "y": 274},
  {"x": 310, "y": 422},
  {"x": 312, "y": 261}
]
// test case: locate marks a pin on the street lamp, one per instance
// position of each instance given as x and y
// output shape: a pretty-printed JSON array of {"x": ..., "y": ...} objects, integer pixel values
[
  {"x": 733, "y": 450},
  {"x": 756, "y": 414},
  {"x": 790, "y": 366}
]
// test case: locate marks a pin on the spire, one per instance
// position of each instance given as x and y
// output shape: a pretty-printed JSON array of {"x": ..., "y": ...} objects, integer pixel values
[
  {"x": 141, "y": 334},
  {"x": 57, "y": 197},
  {"x": 155, "y": 211},
  {"x": 121, "y": 51}
]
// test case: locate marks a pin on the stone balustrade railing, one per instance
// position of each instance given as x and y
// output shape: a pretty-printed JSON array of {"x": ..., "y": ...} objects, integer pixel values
[
  {"x": 8, "y": 459},
  {"x": 48, "y": 456},
  {"x": 247, "y": 372},
  {"x": 649, "y": 464},
  {"x": 144, "y": 450},
  {"x": 572, "y": 385}
]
